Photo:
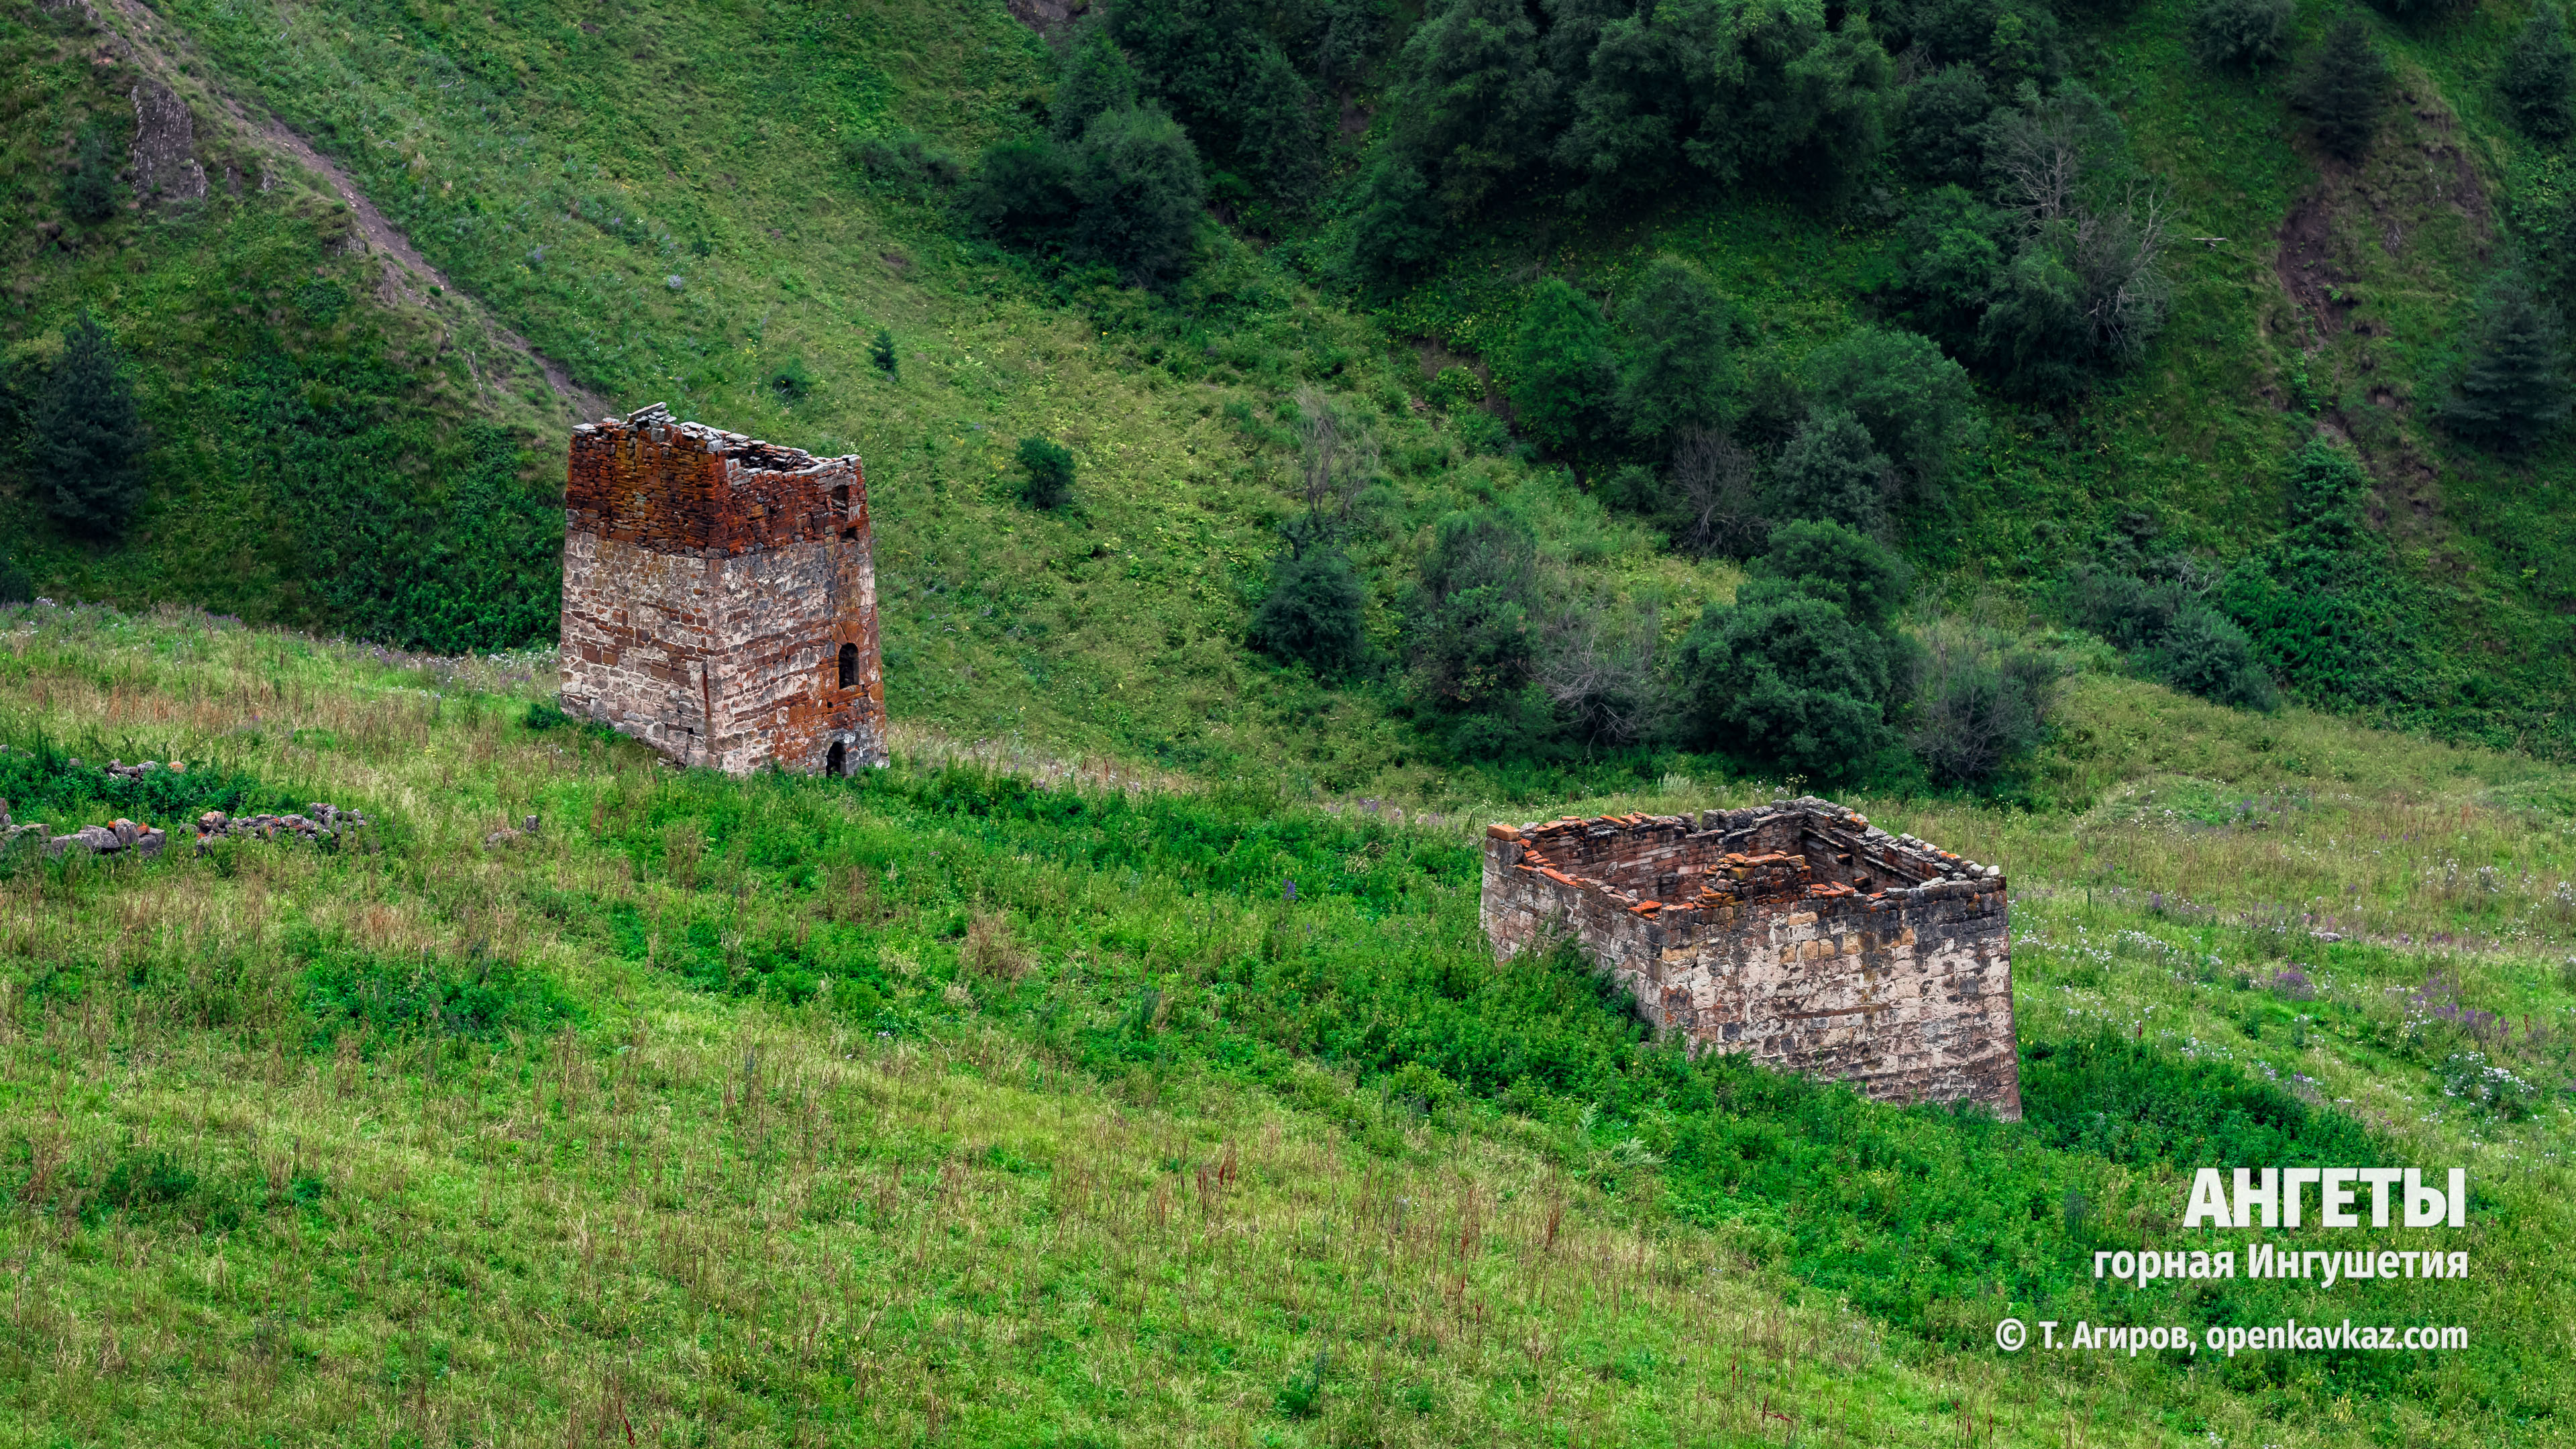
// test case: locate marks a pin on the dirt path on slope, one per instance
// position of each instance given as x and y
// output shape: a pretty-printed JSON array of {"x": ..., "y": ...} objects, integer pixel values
[{"x": 409, "y": 274}]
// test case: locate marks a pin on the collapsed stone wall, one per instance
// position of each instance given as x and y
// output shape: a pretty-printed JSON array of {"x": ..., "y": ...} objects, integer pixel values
[
  {"x": 1798, "y": 932},
  {"x": 720, "y": 597}
]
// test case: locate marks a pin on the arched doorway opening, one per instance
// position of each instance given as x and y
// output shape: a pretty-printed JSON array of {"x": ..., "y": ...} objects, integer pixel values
[{"x": 837, "y": 763}]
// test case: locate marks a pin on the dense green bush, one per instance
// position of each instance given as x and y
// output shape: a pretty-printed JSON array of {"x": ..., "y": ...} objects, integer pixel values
[
  {"x": 1824, "y": 560},
  {"x": 91, "y": 191},
  {"x": 881, "y": 354},
  {"x": 1953, "y": 247},
  {"x": 1918, "y": 406},
  {"x": 1046, "y": 472},
  {"x": 2204, "y": 653},
  {"x": 1485, "y": 100},
  {"x": 1940, "y": 132},
  {"x": 1097, "y": 78},
  {"x": 1788, "y": 681},
  {"x": 2326, "y": 612},
  {"x": 2345, "y": 88},
  {"x": 1979, "y": 705},
  {"x": 1227, "y": 71},
  {"x": 2248, "y": 33},
  {"x": 1674, "y": 368},
  {"x": 905, "y": 164},
  {"x": 1137, "y": 179},
  {"x": 1472, "y": 614},
  {"x": 1312, "y": 613},
  {"x": 1022, "y": 194},
  {"x": 2539, "y": 79},
  {"x": 1127, "y": 195},
  {"x": 2514, "y": 391},
  {"x": 1562, "y": 379},
  {"x": 1832, "y": 469},
  {"x": 15, "y": 586},
  {"x": 1800, "y": 671},
  {"x": 89, "y": 434}
]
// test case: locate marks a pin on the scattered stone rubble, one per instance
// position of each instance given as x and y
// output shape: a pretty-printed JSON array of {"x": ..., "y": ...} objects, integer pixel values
[
  {"x": 126, "y": 837},
  {"x": 1798, "y": 932},
  {"x": 327, "y": 822}
]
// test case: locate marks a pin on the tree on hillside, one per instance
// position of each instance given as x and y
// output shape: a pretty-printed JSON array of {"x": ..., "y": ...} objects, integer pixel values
[
  {"x": 1940, "y": 130},
  {"x": 2344, "y": 89},
  {"x": 2248, "y": 33},
  {"x": 1919, "y": 407},
  {"x": 1673, "y": 367},
  {"x": 1832, "y": 469},
  {"x": 89, "y": 434},
  {"x": 1137, "y": 180},
  {"x": 1312, "y": 613},
  {"x": 1218, "y": 69},
  {"x": 1800, "y": 670},
  {"x": 2514, "y": 391},
  {"x": 90, "y": 192},
  {"x": 1471, "y": 624},
  {"x": 2539, "y": 80},
  {"x": 1098, "y": 78},
  {"x": 1561, "y": 366},
  {"x": 1022, "y": 193},
  {"x": 1046, "y": 472}
]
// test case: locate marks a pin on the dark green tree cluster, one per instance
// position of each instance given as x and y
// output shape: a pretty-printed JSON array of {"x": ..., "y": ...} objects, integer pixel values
[
  {"x": 1864, "y": 425},
  {"x": 1118, "y": 186},
  {"x": 1983, "y": 703},
  {"x": 2324, "y": 609},
  {"x": 88, "y": 434},
  {"x": 2048, "y": 272},
  {"x": 1252, "y": 81},
  {"x": 1314, "y": 610},
  {"x": 1611, "y": 101},
  {"x": 90, "y": 189},
  {"x": 1802, "y": 671},
  {"x": 2249, "y": 34},
  {"x": 2514, "y": 390},
  {"x": 2159, "y": 613},
  {"x": 2345, "y": 89},
  {"x": 2539, "y": 79}
]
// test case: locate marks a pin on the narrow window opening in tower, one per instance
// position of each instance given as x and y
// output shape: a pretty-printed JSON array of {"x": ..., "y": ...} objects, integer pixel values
[{"x": 849, "y": 665}]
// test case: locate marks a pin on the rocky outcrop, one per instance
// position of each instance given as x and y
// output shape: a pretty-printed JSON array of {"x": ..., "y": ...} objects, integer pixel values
[{"x": 164, "y": 155}]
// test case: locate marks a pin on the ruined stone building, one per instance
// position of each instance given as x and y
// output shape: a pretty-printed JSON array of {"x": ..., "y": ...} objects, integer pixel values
[
  {"x": 1797, "y": 932},
  {"x": 719, "y": 598}
]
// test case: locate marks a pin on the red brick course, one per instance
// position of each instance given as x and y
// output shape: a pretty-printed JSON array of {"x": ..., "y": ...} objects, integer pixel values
[
  {"x": 1797, "y": 932},
  {"x": 710, "y": 584}
]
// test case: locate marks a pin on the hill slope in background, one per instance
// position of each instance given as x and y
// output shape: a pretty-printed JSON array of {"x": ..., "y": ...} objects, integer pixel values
[{"x": 678, "y": 204}]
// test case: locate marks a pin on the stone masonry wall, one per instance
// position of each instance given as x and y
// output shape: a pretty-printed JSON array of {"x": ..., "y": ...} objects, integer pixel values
[
  {"x": 1798, "y": 932},
  {"x": 710, "y": 583}
]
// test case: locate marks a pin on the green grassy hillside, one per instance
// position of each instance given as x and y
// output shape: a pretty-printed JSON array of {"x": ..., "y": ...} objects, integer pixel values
[
  {"x": 940, "y": 1105},
  {"x": 638, "y": 196}
]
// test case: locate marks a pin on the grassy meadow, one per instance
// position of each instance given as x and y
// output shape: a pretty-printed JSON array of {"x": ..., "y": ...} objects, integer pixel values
[{"x": 957, "y": 1105}]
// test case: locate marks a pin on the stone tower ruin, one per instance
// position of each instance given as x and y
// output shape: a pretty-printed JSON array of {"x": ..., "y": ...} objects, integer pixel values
[
  {"x": 1798, "y": 932},
  {"x": 720, "y": 600}
]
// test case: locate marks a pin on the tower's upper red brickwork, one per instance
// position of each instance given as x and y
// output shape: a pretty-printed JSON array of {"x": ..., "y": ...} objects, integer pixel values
[{"x": 720, "y": 599}]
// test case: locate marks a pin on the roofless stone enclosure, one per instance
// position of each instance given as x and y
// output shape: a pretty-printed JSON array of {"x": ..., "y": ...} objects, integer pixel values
[
  {"x": 720, "y": 601},
  {"x": 1798, "y": 932}
]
